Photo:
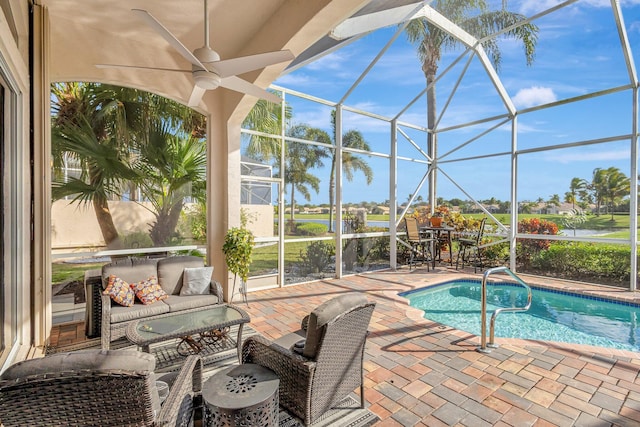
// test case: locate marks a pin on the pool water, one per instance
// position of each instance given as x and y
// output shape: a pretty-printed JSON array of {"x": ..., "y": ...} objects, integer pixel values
[{"x": 553, "y": 316}]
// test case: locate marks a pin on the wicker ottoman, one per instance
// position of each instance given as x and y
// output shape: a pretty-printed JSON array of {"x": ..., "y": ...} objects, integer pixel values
[{"x": 242, "y": 395}]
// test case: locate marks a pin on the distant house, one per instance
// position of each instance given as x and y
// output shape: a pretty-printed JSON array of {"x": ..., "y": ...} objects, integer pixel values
[
  {"x": 492, "y": 208},
  {"x": 315, "y": 210},
  {"x": 380, "y": 209}
]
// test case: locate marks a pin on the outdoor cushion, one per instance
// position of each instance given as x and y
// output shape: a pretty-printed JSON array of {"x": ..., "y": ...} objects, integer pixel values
[
  {"x": 120, "y": 291},
  {"x": 323, "y": 314},
  {"x": 289, "y": 340},
  {"x": 90, "y": 360},
  {"x": 149, "y": 291},
  {"x": 196, "y": 281},
  {"x": 178, "y": 303},
  {"x": 170, "y": 271},
  {"x": 130, "y": 270},
  {"x": 137, "y": 311},
  {"x": 101, "y": 360}
]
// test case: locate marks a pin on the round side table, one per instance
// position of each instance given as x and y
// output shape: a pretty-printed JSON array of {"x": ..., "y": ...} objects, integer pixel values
[{"x": 242, "y": 395}]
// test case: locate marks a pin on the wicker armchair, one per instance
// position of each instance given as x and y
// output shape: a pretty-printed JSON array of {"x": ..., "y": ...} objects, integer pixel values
[
  {"x": 318, "y": 367},
  {"x": 97, "y": 388}
]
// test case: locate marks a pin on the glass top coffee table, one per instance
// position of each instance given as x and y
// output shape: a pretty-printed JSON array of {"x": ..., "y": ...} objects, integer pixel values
[{"x": 195, "y": 328}]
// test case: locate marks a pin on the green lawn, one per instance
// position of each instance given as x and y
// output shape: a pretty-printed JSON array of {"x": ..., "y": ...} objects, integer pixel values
[
  {"x": 265, "y": 259},
  {"x": 65, "y": 272}
]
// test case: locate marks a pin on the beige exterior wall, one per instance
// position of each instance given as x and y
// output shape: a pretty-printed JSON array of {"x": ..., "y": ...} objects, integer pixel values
[
  {"x": 260, "y": 219},
  {"x": 75, "y": 226}
]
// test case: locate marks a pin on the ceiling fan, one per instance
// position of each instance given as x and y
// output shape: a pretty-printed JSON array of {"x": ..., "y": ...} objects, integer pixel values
[{"x": 207, "y": 69}]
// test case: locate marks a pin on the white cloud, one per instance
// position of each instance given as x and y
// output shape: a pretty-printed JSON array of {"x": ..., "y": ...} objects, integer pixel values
[
  {"x": 293, "y": 80},
  {"x": 333, "y": 61},
  {"x": 634, "y": 27},
  {"x": 535, "y": 95},
  {"x": 531, "y": 7}
]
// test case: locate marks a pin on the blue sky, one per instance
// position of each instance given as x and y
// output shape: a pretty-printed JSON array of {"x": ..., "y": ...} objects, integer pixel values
[{"x": 578, "y": 52}]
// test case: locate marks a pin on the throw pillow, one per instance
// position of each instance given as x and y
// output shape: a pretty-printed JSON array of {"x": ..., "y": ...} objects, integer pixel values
[
  {"x": 149, "y": 291},
  {"x": 120, "y": 291},
  {"x": 196, "y": 281}
]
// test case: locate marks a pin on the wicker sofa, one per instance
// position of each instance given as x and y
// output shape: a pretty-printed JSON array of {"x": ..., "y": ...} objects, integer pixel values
[{"x": 111, "y": 319}]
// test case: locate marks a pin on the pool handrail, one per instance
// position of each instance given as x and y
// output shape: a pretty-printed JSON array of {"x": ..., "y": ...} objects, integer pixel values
[{"x": 483, "y": 302}]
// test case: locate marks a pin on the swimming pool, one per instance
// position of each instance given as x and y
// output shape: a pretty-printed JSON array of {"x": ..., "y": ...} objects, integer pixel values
[{"x": 553, "y": 316}]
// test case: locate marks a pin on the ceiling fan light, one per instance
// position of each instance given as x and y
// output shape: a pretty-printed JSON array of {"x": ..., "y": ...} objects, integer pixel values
[{"x": 205, "y": 79}]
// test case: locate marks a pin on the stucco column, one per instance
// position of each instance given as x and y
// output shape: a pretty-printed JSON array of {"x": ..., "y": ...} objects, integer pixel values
[{"x": 223, "y": 183}]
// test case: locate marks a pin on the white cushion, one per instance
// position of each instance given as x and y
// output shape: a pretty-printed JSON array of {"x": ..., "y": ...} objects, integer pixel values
[{"x": 196, "y": 281}]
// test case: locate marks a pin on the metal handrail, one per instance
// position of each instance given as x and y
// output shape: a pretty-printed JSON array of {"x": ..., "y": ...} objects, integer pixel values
[{"x": 483, "y": 302}]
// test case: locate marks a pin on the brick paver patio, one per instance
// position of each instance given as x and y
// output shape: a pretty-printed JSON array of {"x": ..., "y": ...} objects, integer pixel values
[{"x": 419, "y": 373}]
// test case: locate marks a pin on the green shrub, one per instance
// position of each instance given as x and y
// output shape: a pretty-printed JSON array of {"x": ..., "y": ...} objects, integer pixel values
[
  {"x": 194, "y": 222},
  {"x": 579, "y": 260},
  {"x": 311, "y": 229},
  {"x": 497, "y": 254},
  {"x": 316, "y": 257}
]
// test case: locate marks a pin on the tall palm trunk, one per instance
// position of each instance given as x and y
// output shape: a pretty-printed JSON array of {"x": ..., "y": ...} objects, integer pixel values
[
  {"x": 332, "y": 190},
  {"x": 105, "y": 221},
  {"x": 293, "y": 203},
  {"x": 166, "y": 223},
  {"x": 430, "y": 67}
]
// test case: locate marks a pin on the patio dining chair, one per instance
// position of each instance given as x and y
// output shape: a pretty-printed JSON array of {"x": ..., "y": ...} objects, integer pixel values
[
  {"x": 97, "y": 388},
  {"x": 421, "y": 243},
  {"x": 321, "y": 364},
  {"x": 469, "y": 248}
]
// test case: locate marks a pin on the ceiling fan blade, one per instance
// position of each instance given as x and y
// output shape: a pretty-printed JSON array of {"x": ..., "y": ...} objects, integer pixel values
[
  {"x": 170, "y": 38},
  {"x": 243, "y": 64},
  {"x": 243, "y": 86},
  {"x": 196, "y": 96},
  {"x": 136, "y": 67}
]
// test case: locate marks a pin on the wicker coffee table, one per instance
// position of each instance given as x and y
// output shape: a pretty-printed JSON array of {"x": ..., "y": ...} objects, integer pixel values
[
  {"x": 195, "y": 328},
  {"x": 242, "y": 395}
]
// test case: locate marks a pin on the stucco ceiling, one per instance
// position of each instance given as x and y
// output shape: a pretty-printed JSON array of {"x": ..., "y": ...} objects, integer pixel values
[{"x": 85, "y": 33}]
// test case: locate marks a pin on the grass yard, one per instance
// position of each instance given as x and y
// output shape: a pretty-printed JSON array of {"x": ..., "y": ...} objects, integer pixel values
[
  {"x": 66, "y": 272},
  {"x": 265, "y": 258}
]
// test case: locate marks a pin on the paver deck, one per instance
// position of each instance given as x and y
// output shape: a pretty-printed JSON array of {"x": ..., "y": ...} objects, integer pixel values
[{"x": 421, "y": 373}]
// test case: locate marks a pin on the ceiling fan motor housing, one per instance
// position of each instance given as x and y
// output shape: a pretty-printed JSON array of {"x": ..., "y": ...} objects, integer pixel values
[{"x": 204, "y": 78}]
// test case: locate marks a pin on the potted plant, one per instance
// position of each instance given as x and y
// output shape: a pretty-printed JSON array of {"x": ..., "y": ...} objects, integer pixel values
[
  {"x": 438, "y": 215},
  {"x": 436, "y": 219},
  {"x": 237, "y": 249}
]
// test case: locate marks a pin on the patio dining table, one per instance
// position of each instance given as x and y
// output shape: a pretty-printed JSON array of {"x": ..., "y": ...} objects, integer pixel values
[{"x": 442, "y": 235}]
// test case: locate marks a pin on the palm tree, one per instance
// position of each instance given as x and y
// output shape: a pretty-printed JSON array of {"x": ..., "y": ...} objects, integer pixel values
[
  {"x": 265, "y": 117},
  {"x": 616, "y": 187},
  {"x": 570, "y": 197},
  {"x": 597, "y": 187},
  {"x": 101, "y": 127},
  {"x": 92, "y": 125},
  {"x": 350, "y": 162},
  {"x": 300, "y": 158},
  {"x": 474, "y": 17},
  {"x": 576, "y": 185},
  {"x": 172, "y": 167},
  {"x": 554, "y": 200}
]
